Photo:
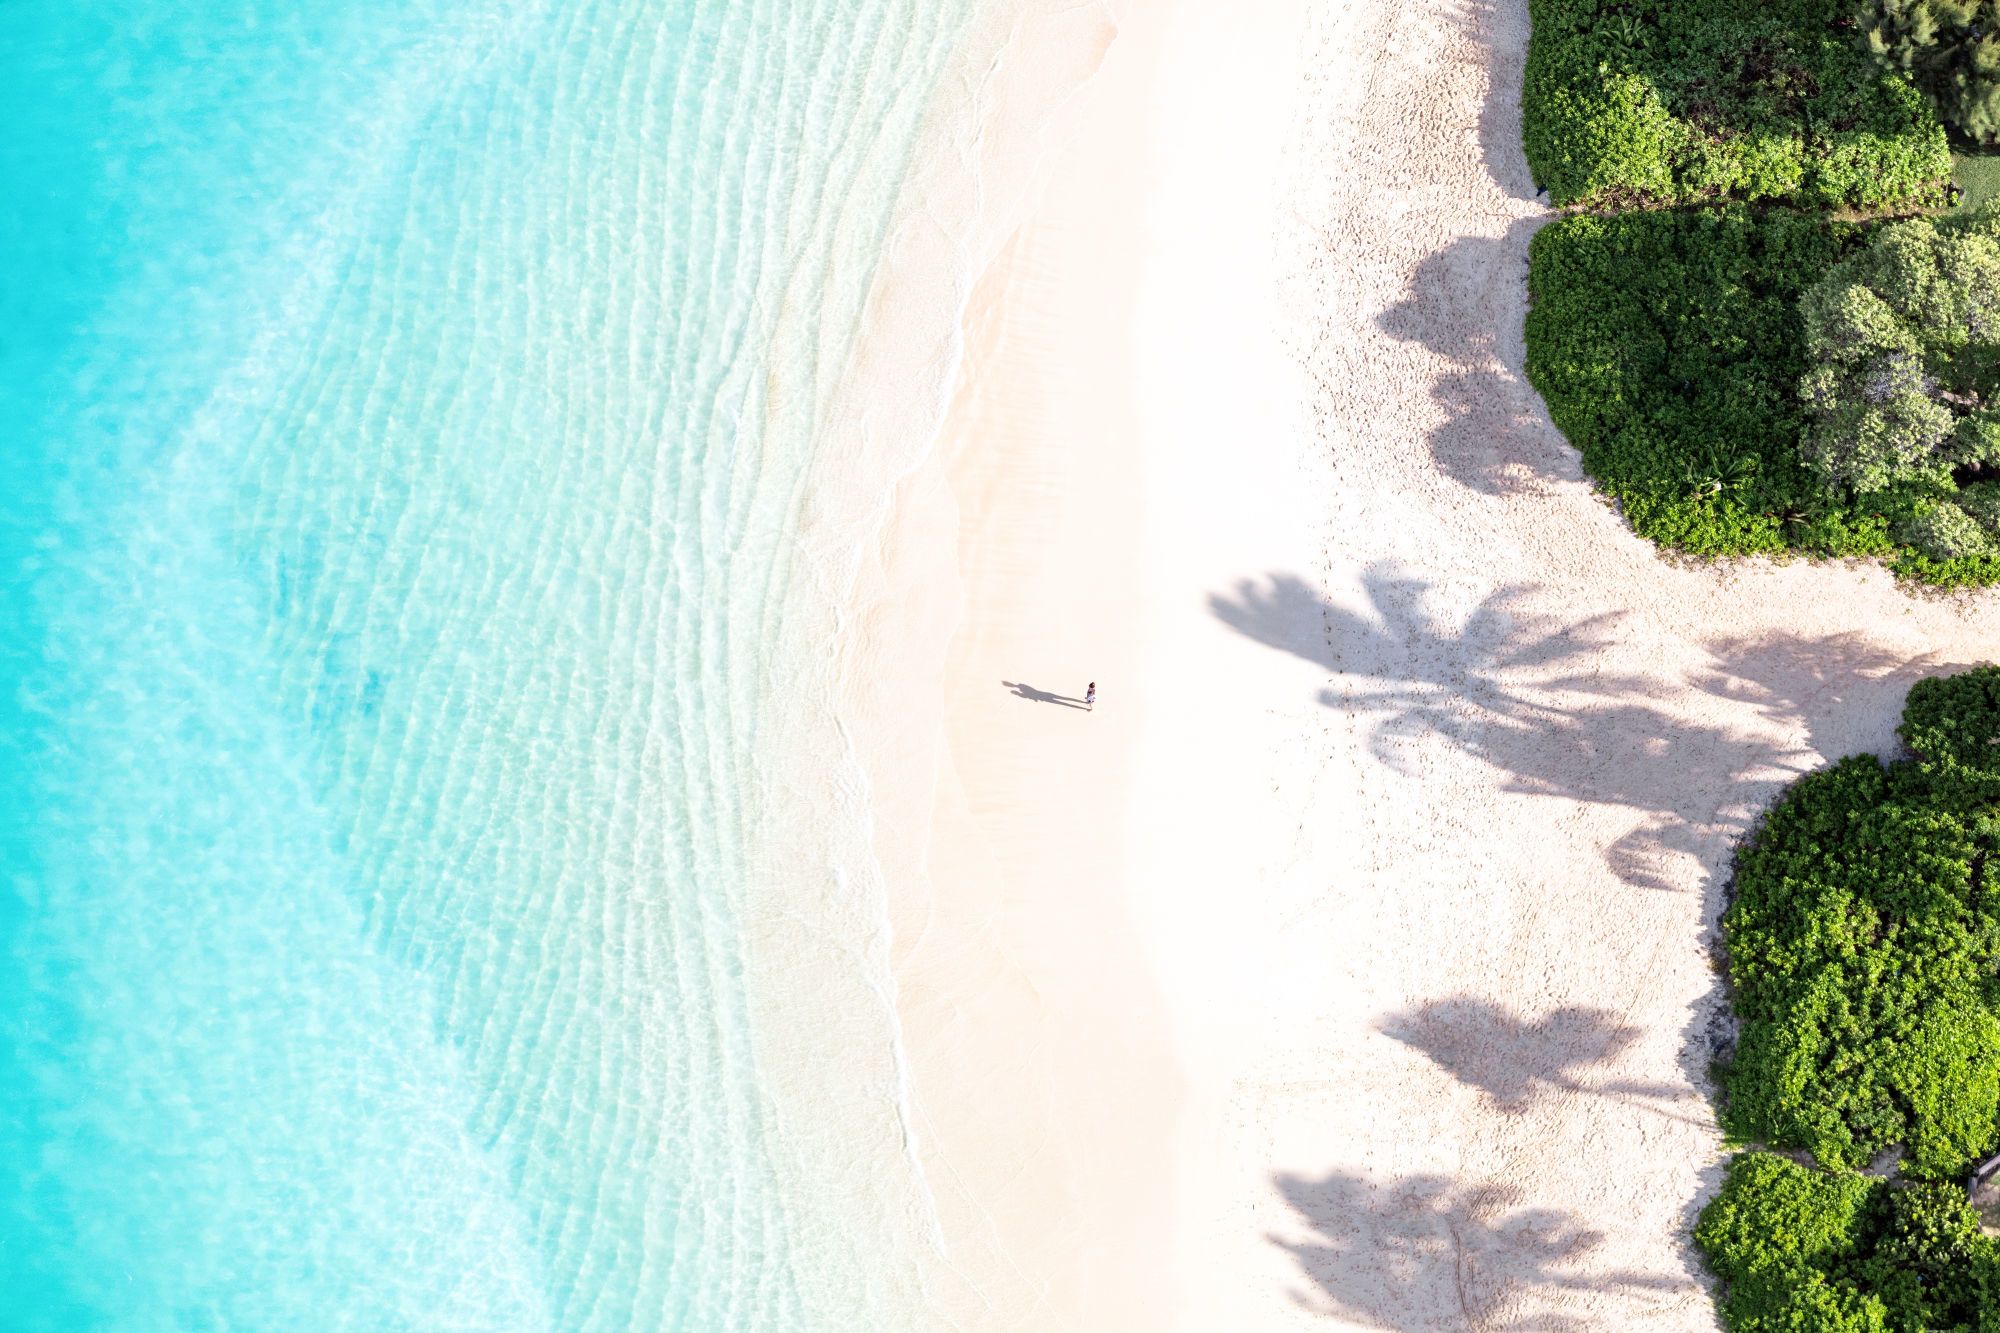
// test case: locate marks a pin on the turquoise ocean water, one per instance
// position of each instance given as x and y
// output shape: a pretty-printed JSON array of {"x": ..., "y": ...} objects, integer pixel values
[{"x": 405, "y": 410}]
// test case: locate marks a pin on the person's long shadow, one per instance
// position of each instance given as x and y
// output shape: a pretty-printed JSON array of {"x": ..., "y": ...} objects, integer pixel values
[
  {"x": 1431, "y": 1252},
  {"x": 1034, "y": 695}
]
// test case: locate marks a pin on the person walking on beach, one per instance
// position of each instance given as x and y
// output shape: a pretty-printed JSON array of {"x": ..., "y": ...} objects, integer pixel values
[{"x": 1090, "y": 697}]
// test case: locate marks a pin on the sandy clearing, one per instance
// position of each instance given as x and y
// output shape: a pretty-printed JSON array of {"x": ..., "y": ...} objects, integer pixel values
[{"x": 1350, "y": 967}]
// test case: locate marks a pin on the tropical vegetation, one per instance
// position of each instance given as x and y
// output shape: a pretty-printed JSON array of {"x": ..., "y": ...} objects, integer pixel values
[
  {"x": 1688, "y": 101},
  {"x": 1668, "y": 347},
  {"x": 1903, "y": 389},
  {"x": 1862, "y": 939},
  {"x": 1819, "y": 377},
  {"x": 1950, "y": 49},
  {"x": 1806, "y": 1251}
]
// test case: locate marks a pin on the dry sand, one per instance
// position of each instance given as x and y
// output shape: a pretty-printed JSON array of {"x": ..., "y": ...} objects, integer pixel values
[{"x": 1350, "y": 966}]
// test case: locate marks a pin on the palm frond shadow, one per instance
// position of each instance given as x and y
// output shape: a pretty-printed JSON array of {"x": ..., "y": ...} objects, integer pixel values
[
  {"x": 1531, "y": 695},
  {"x": 1399, "y": 1255}
]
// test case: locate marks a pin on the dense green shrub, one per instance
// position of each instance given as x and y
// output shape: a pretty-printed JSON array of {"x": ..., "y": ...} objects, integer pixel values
[
  {"x": 1783, "y": 1238},
  {"x": 1799, "y": 1249},
  {"x": 1902, "y": 390},
  {"x": 1670, "y": 349},
  {"x": 1952, "y": 725},
  {"x": 1685, "y": 101},
  {"x": 1862, "y": 945},
  {"x": 1950, "y": 49}
]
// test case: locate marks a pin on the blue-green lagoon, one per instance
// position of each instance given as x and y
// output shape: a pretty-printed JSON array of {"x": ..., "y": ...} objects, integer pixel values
[{"x": 406, "y": 411}]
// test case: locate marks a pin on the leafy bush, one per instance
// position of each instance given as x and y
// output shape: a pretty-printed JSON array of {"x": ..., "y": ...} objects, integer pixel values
[
  {"x": 1799, "y": 1249},
  {"x": 1785, "y": 1240},
  {"x": 1774, "y": 1213},
  {"x": 1950, "y": 49},
  {"x": 1669, "y": 350},
  {"x": 1904, "y": 341},
  {"x": 1862, "y": 944},
  {"x": 1685, "y": 101},
  {"x": 1952, "y": 725},
  {"x": 1669, "y": 347},
  {"x": 1862, "y": 947}
]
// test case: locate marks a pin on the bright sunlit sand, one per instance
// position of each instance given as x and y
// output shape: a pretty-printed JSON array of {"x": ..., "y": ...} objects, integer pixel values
[{"x": 1348, "y": 966}]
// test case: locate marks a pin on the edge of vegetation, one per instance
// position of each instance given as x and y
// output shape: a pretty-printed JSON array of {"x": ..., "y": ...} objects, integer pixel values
[{"x": 1863, "y": 944}]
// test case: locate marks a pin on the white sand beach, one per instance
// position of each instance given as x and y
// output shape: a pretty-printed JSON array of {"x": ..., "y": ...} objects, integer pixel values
[{"x": 1350, "y": 965}]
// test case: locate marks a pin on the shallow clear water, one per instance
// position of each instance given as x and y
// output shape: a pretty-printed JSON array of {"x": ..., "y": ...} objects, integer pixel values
[{"x": 405, "y": 409}]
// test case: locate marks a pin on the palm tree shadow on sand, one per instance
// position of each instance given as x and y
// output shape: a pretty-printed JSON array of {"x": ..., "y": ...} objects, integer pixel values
[
  {"x": 1515, "y": 1060},
  {"x": 1466, "y": 302},
  {"x": 1528, "y": 695},
  {"x": 1428, "y": 1252},
  {"x": 1535, "y": 696}
]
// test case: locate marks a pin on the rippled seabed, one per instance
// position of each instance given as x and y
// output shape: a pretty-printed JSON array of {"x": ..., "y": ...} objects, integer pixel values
[{"x": 405, "y": 409}]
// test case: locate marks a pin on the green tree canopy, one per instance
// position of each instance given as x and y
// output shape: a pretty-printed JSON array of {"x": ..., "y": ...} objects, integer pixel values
[
  {"x": 1863, "y": 943},
  {"x": 1950, "y": 49},
  {"x": 1903, "y": 385},
  {"x": 1806, "y": 1251}
]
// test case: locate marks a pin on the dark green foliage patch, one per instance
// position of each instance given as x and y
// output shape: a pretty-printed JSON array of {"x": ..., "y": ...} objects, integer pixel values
[
  {"x": 1950, "y": 49},
  {"x": 1952, "y": 725},
  {"x": 1862, "y": 946},
  {"x": 1670, "y": 348},
  {"x": 1819, "y": 1252},
  {"x": 1691, "y": 101},
  {"x": 1902, "y": 388},
  {"x": 1863, "y": 943}
]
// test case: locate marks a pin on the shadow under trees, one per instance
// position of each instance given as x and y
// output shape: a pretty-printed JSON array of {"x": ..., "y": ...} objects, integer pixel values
[
  {"x": 1509, "y": 1058},
  {"x": 1541, "y": 698},
  {"x": 1533, "y": 696},
  {"x": 1464, "y": 305},
  {"x": 1427, "y": 1252}
]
